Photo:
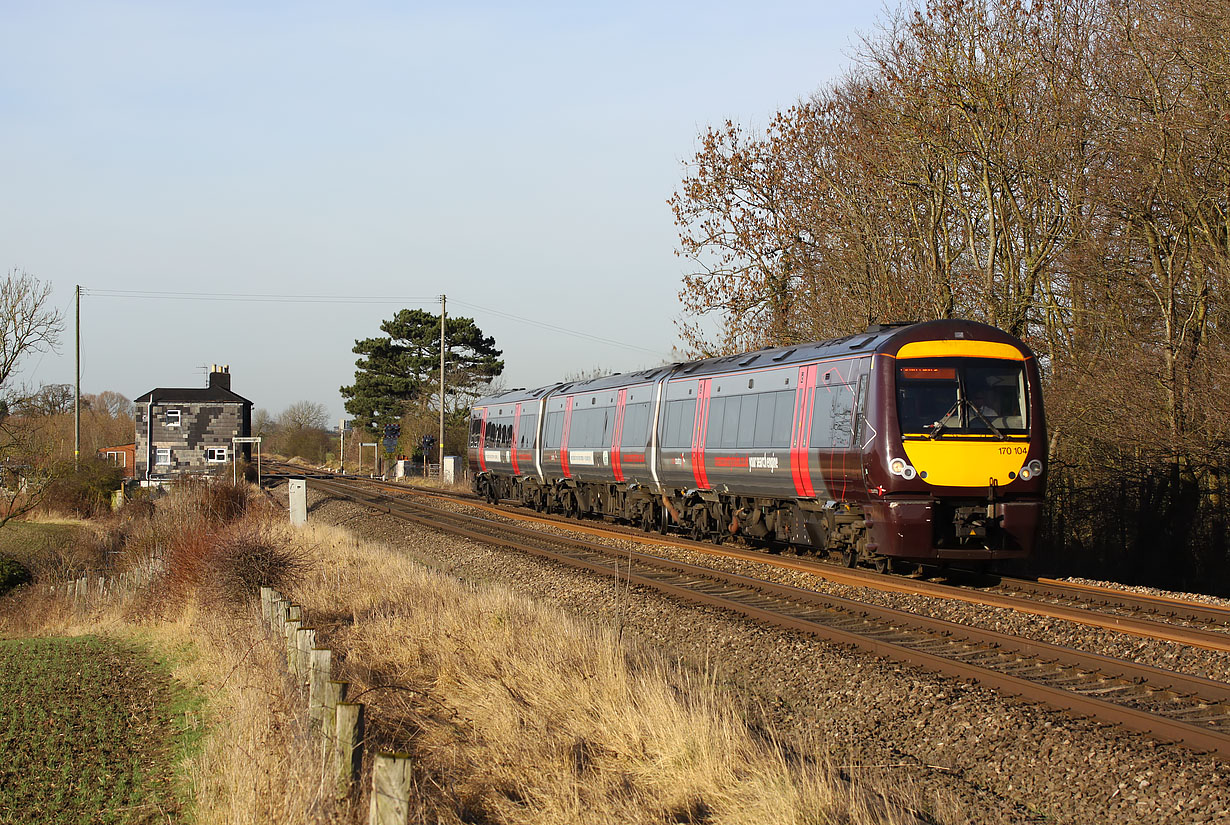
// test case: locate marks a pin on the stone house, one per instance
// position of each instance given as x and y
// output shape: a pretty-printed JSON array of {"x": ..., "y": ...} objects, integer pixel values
[{"x": 184, "y": 431}]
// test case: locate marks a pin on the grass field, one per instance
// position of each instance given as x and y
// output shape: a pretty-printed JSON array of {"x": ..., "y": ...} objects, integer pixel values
[{"x": 88, "y": 733}]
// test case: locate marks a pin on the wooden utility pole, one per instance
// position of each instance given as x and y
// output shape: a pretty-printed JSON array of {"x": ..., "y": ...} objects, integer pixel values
[
  {"x": 443, "y": 315},
  {"x": 77, "y": 392}
]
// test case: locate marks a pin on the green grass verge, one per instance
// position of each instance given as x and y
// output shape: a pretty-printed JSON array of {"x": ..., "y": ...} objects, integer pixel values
[{"x": 90, "y": 732}]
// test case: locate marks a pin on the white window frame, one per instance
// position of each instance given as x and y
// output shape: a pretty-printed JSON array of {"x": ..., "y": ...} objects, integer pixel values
[
  {"x": 162, "y": 455},
  {"x": 167, "y": 415},
  {"x": 219, "y": 455},
  {"x": 118, "y": 458}
]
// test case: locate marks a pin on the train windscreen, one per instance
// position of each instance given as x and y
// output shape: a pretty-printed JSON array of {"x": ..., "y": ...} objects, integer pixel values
[{"x": 942, "y": 397}]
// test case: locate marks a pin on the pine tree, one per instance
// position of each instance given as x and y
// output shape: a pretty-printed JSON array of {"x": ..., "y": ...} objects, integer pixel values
[{"x": 403, "y": 365}]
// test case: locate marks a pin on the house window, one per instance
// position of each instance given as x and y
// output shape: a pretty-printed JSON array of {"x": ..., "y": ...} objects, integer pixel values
[
  {"x": 215, "y": 455},
  {"x": 117, "y": 458},
  {"x": 171, "y": 418},
  {"x": 163, "y": 455}
]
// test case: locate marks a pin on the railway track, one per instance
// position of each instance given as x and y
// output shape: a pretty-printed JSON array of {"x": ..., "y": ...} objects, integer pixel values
[
  {"x": 1147, "y": 617},
  {"x": 1192, "y": 711}
]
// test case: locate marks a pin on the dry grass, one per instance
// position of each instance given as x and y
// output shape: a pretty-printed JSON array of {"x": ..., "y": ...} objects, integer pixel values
[
  {"x": 514, "y": 712},
  {"x": 518, "y": 714}
]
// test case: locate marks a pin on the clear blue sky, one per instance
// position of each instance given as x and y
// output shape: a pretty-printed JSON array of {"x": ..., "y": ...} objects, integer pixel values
[{"x": 516, "y": 157}]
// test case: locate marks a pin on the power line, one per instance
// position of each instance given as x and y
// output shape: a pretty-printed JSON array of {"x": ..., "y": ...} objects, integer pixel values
[
  {"x": 259, "y": 298},
  {"x": 244, "y": 297}
]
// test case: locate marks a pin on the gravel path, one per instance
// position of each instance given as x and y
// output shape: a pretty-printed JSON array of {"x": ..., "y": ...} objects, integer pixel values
[{"x": 995, "y": 759}]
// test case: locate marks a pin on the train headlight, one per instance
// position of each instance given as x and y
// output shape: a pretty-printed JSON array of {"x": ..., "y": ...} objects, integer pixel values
[
  {"x": 1035, "y": 467},
  {"x": 899, "y": 467},
  {"x": 1025, "y": 474}
]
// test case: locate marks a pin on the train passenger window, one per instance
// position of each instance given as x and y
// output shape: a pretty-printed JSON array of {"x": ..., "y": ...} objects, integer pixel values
[
  {"x": 577, "y": 428},
  {"x": 747, "y": 421},
  {"x": 581, "y": 433},
  {"x": 636, "y": 420},
  {"x": 553, "y": 428},
  {"x": 526, "y": 431},
  {"x": 774, "y": 415},
  {"x": 680, "y": 420},
  {"x": 717, "y": 415},
  {"x": 730, "y": 427}
]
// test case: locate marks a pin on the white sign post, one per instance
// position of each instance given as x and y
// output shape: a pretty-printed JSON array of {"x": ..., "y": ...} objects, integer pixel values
[
  {"x": 298, "y": 501},
  {"x": 235, "y": 457}
]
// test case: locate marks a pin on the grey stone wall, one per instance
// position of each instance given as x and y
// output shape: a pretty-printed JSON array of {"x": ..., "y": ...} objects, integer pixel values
[{"x": 201, "y": 426}]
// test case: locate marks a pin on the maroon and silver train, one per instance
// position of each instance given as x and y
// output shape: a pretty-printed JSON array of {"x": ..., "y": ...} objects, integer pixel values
[{"x": 920, "y": 442}]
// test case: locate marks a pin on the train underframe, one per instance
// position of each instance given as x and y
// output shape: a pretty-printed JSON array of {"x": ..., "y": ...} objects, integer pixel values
[{"x": 874, "y": 533}]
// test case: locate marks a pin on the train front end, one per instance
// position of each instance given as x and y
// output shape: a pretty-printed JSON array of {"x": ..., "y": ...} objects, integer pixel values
[{"x": 961, "y": 471}]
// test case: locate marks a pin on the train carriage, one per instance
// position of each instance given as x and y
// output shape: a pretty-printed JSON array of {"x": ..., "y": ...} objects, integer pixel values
[{"x": 921, "y": 441}]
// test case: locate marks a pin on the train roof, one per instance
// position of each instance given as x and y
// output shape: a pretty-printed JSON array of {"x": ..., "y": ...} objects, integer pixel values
[{"x": 880, "y": 338}]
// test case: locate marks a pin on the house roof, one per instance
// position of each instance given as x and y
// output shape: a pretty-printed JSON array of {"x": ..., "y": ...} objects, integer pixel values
[{"x": 191, "y": 395}]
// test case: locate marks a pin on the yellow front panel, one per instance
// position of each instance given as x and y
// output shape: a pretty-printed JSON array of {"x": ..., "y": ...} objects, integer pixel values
[
  {"x": 966, "y": 463},
  {"x": 960, "y": 348}
]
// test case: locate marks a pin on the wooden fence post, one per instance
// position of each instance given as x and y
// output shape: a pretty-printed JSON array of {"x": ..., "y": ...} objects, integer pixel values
[
  {"x": 391, "y": 782},
  {"x": 320, "y": 664},
  {"x": 305, "y": 640},
  {"x": 289, "y": 644},
  {"x": 334, "y": 695},
  {"x": 266, "y": 593},
  {"x": 348, "y": 753}
]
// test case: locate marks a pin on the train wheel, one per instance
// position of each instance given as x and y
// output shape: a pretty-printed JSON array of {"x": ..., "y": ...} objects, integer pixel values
[
  {"x": 663, "y": 520},
  {"x": 883, "y": 564},
  {"x": 571, "y": 508},
  {"x": 647, "y": 519},
  {"x": 850, "y": 557}
]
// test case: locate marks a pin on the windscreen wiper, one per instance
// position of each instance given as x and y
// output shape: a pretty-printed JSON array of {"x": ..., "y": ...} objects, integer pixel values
[
  {"x": 939, "y": 425},
  {"x": 999, "y": 435}
]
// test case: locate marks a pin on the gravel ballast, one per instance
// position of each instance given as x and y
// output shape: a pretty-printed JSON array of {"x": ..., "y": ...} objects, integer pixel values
[{"x": 994, "y": 759}]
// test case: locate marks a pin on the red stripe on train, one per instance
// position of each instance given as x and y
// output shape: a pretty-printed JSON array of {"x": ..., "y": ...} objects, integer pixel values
[
  {"x": 698, "y": 435},
  {"x": 563, "y": 442},
  {"x": 516, "y": 428},
  {"x": 618, "y": 435}
]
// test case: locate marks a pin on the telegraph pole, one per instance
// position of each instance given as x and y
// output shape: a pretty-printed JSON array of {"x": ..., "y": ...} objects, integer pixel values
[
  {"x": 443, "y": 314},
  {"x": 77, "y": 392}
]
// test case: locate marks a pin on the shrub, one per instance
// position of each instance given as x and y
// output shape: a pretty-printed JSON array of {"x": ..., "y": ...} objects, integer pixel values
[
  {"x": 244, "y": 558},
  {"x": 12, "y": 574},
  {"x": 84, "y": 492}
]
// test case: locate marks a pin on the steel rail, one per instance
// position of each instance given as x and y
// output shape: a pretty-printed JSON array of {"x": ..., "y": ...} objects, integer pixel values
[
  {"x": 1147, "y": 628},
  {"x": 1153, "y": 680},
  {"x": 1143, "y": 602}
]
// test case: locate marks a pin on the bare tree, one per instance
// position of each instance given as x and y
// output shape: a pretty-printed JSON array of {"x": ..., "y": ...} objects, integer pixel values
[
  {"x": 112, "y": 403},
  {"x": 28, "y": 324},
  {"x": 303, "y": 415}
]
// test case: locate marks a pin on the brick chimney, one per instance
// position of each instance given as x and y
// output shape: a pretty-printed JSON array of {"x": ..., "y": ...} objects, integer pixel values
[{"x": 220, "y": 376}]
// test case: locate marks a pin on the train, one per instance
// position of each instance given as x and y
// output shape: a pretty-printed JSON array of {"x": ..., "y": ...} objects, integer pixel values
[{"x": 921, "y": 443}]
